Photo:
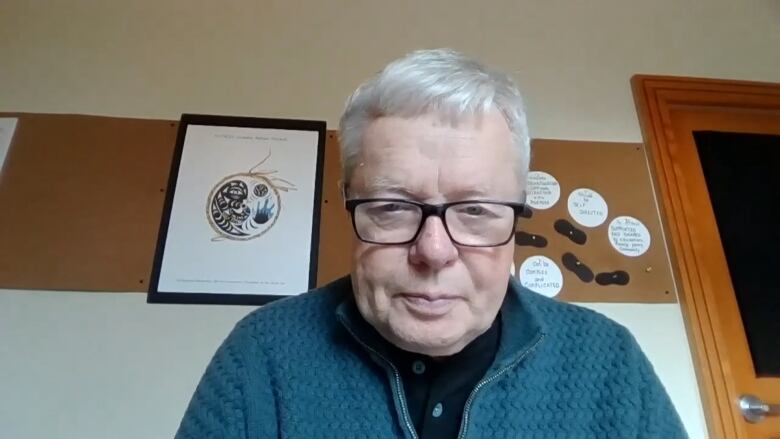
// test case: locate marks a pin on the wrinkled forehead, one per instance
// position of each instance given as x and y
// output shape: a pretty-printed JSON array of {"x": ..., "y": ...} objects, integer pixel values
[
  {"x": 434, "y": 142},
  {"x": 429, "y": 157}
]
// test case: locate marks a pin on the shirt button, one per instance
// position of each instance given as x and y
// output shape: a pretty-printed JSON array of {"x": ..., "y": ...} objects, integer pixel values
[
  {"x": 437, "y": 410},
  {"x": 418, "y": 367}
]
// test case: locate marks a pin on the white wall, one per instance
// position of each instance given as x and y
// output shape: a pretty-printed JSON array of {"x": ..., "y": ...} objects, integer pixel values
[
  {"x": 92, "y": 365},
  {"x": 100, "y": 365},
  {"x": 572, "y": 58}
]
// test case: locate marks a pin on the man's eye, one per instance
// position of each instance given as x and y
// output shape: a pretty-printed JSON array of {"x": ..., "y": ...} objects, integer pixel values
[
  {"x": 393, "y": 207},
  {"x": 389, "y": 208},
  {"x": 473, "y": 210}
]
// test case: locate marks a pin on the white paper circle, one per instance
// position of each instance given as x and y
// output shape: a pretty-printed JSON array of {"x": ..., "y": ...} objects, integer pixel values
[
  {"x": 543, "y": 190},
  {"x": 542, "y": 275},
  {"x": 629, "y": 236},
  {"x": 587, "y": 207}
]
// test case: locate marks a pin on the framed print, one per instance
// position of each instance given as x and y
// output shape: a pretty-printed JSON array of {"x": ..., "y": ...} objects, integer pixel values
[{"x": 241, "y": 217}]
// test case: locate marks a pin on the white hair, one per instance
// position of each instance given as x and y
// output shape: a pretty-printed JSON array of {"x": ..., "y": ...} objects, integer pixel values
[{"x": 441, "y": 81}]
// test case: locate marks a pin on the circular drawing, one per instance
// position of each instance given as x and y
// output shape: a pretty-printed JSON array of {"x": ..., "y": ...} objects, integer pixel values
[{"x": 243, "y": 206}]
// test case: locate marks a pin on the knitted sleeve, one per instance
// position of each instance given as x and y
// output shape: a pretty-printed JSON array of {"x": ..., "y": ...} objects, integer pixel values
[
  {"x": 658, "y": 417},
  {"x": 226, "y": 403}
]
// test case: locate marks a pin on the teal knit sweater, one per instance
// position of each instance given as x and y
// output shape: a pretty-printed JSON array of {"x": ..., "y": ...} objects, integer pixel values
[{"x": 302, "y": 367}]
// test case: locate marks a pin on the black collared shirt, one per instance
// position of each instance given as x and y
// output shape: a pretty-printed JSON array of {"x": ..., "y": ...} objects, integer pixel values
[{"x": 436, "y": 390}]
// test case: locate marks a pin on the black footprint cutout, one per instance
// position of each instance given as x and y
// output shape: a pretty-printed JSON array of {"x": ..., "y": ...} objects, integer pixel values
[
  {"x": 573, "y": 264},
  {"x": 527, "y": 212},
  {"x": 566, "y": 229},
  {"x": 619, "y": 277},
  {"x": 527, "y": 239}
]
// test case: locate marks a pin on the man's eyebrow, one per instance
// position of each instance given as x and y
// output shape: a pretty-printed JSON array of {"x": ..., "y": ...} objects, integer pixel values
[
  {"x": 467, "y": 193},
  {"x": 388, "y": 185},
  {"x": 391, "y": 190}
]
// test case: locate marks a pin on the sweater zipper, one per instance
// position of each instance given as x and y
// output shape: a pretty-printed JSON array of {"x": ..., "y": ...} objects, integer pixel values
[
  {"x": 398, "y": 383},
  {"x": 488, "y": 380}
]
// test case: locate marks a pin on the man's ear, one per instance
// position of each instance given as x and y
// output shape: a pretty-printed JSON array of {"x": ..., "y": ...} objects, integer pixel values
[{"x": 343, "y": 191}]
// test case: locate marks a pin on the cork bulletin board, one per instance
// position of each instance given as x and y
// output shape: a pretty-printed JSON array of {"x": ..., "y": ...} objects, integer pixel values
[
  {"x": 594, "y": 232},
  {"x": 82, "y": 199}
]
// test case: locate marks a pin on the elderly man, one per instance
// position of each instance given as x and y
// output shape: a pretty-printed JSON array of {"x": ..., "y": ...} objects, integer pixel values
[{"x": 429, "y": 337}]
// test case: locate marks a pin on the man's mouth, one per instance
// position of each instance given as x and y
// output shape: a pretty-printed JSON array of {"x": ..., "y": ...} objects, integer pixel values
[{"x": 429, "y": 304}]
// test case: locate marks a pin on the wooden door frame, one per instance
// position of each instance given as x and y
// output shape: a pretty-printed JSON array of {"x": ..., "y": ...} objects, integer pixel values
[{"x": 656, "y": 98}]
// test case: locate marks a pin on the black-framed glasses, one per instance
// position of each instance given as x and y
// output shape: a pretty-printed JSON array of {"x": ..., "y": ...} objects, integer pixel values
[{"x": 471, "y": 223}]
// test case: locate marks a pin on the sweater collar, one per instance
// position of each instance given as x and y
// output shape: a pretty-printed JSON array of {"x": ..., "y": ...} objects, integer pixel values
[{"x": 521, "y": 324}]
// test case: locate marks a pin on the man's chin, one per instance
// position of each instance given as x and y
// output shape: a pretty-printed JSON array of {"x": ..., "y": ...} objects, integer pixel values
[{"x": 433, "y": 343}]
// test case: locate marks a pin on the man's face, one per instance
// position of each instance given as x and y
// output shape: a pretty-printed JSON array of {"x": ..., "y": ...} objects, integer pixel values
[{"x": 432, "y": 296}]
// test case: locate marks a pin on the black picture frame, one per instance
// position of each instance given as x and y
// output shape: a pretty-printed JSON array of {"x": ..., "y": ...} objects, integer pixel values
[{"x": 154, "y": 295}]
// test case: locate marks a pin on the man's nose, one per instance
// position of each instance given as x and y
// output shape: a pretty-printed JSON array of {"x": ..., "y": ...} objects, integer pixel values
[{"x": 433, "y": 247}]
